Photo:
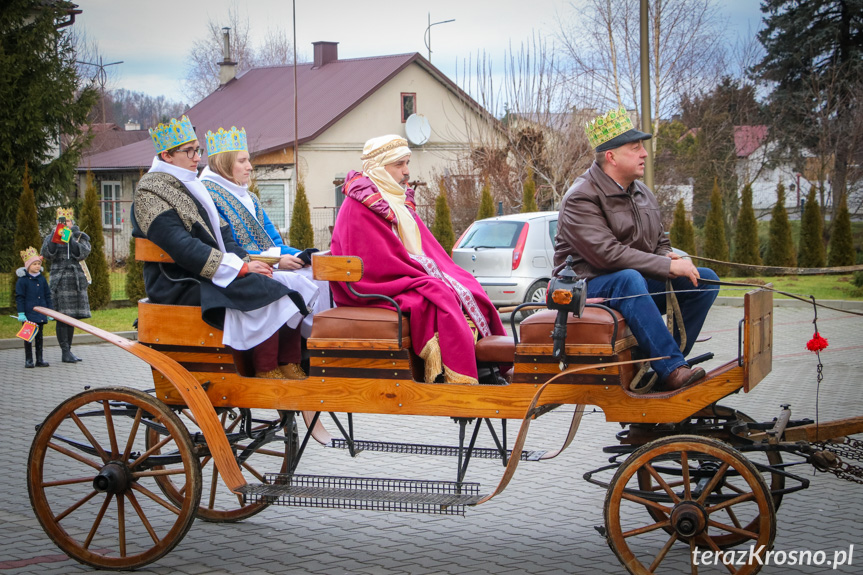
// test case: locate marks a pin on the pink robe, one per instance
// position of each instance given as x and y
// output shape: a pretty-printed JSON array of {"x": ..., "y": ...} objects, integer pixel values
[{"x": 436, "y": 306}]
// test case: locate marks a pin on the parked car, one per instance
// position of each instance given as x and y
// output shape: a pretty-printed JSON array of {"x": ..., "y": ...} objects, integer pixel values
[{"x": 511, "y": 256}]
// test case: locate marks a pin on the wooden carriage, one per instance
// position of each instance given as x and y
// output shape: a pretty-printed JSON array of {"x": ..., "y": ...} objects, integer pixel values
[{"x": 680, "y": 457}]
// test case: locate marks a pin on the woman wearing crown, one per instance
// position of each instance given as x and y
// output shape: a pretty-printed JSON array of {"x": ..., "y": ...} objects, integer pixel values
[
  {"x": 173, "y": 209},
  {"x": 227, "y": 178},
  {"x": 66, "y": 249}
]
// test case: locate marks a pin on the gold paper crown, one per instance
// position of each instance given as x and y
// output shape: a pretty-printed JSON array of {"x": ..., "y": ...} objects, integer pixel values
[
  {"x": 233, "y": 140},
  {"x": 29, "y": 254},
  {"x": 174, "y": 133},
  {"x": 608, "y": 126},
  {"x": 67, "y": 213}
]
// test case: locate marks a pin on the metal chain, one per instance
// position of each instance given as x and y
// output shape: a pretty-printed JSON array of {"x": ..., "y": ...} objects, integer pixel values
[{"x": 848, "y": 449}]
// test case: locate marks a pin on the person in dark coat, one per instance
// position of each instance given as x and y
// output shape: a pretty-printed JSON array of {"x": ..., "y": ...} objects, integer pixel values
[
  {"x": 67, "y": 248},
  {"x": 172, "y": 209},
  {"x": 32, "y": 290}
]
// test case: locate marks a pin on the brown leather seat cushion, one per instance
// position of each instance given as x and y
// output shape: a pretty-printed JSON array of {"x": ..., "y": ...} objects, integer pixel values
[
  {"x": 495, "y": 349},
  {"x": 346, "y": 323},
  {"x": 595, "y": 326}
]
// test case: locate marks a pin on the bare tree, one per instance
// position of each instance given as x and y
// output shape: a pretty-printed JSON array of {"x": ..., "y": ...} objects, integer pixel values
[{"x": 600, "y": 47}]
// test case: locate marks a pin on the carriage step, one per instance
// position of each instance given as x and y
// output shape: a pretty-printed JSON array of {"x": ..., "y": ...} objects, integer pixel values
[
  {"x": 420, "y": 449},
  {"x": 407, "y": 495}
]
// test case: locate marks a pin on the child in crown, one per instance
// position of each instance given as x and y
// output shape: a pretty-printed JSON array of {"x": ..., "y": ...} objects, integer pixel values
[{"x": 32, "y": 290}]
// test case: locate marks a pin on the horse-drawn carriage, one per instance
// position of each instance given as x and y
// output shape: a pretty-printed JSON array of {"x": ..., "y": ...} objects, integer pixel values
[{"x": 117, "y": 476}]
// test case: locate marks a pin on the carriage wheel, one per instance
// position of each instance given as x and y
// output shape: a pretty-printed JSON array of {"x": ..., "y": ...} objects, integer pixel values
[
  {"x": 715, "y": 418},
  {"x": 218, "y": 503},
  {"x": 92, "y": 481},
  {"x": 713, "y": 493}
]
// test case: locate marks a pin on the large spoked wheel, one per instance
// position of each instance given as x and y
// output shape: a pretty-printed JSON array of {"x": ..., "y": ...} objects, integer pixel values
[
  {"x": 713, "y": 493},
  {"x": 268, "y": 454},
  {"x": 92, "y": 481},
  {"x": 718, "y": 420}
]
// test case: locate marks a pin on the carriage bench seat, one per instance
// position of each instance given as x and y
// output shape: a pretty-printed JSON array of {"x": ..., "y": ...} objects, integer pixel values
[
  {"x": 358, "y": 327},
  {"x": 596, "y": 327}
]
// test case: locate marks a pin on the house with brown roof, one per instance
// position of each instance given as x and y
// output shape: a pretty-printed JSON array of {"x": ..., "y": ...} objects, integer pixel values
[{"x": 341, "y": 104}]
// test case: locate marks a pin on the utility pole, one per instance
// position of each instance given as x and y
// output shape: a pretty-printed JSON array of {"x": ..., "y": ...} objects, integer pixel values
[
  {"x": 102, "y": 77},
  {"x": 646, "y": 123}
]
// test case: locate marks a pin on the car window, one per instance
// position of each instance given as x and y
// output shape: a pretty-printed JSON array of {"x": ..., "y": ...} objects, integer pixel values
[
  {"x": 492, "y": 235},
  {"x": 552, "y": 230}
]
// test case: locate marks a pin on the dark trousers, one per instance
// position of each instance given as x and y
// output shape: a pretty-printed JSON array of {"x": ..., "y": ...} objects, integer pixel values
[
  {"x": 37, "y": 341},
  {"x": 641, "y": 302},
  {"x": 281, "y": 348}
]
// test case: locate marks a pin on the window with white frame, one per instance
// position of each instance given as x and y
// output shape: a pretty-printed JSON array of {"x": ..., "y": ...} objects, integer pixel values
[
  {"x": 112, "y": 211},
  {"x": 274, "y": 200}
]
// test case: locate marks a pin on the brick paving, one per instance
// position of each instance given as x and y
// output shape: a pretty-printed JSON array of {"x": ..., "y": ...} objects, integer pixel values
[{"x": 542, "y": 524}]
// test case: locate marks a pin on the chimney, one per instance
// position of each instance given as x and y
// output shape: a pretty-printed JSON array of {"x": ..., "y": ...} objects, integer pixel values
[
  {"x": 325, "y": 52},
  {"x": 227, "y": 67}
]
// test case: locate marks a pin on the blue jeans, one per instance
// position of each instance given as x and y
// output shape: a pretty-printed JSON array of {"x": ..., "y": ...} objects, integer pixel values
[{"x": 643, "y": 314}]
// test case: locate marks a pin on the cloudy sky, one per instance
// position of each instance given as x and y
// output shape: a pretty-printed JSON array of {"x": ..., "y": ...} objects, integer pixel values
[{"x": 153, "y": 38}]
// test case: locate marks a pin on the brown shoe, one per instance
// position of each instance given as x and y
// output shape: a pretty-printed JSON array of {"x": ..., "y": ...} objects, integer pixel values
[
  {"x": 292, "y": 371},
  {"x": 681, "y": 377},
  {"x": 272, "y": 374}
]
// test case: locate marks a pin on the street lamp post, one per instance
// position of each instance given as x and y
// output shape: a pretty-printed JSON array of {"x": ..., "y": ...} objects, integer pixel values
[{"x": 427, "y": 35}]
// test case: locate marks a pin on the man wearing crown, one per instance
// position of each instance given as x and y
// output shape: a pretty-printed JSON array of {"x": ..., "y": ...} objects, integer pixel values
[
  {"x": 378, "y": 222},
  {"x": 67, "y": 248},
  {"x": 173, "y": 209},
  {"x": 609, "y": 223}
]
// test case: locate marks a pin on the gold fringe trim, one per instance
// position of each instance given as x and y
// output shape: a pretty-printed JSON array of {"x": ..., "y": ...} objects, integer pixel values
[
  {"x": 431, "y": 356},
  {"x": 451, "y": 376}
]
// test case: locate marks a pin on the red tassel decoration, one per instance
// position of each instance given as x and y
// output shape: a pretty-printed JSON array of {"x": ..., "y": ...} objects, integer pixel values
[{"x": 817, "y": 343}]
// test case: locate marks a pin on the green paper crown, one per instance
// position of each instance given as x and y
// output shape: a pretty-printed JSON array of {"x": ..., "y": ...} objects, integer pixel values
[
  {"x": 608, "y": 126},
  {"x": 174, "y": 133}
]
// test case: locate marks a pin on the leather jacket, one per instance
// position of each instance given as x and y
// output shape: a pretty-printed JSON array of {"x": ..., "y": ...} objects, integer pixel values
[{"x": 607, "y": 229}]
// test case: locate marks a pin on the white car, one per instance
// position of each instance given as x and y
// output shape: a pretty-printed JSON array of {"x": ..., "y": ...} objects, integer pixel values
[{"x": 511, "y": 256}]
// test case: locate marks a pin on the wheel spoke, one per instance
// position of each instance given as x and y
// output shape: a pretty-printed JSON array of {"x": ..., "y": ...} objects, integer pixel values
[
  {"x": 647, "y": 528},
  {"x": 692, "y": 556},
  {"x": 76, "y": 505},
  {"x": 89, "y": 437},
  {"x": 98, "y": 520},
  {"x": 137, "y": 506},
  {"x": 121, "y": 524},
  {"x": 158, "y": 473},
  {"x": 732, "y": 529},
  {"x": 214, "y": 483},
  {"x": 663, "y": 552},
  {"x": 75, "y": 456},
  {"x": 132, "y": 433},
  {"x": 155, "y": 449},
  {"x": 646, "y": 502},
  {"x": 259, "y": 476},
  {"x": 739, "y": 499},
  {"x": 662, "y": 483},
  {"x": 68, "y": 481},
  {"x": 684, "y": 469},
  {"x": 109, "y": 423},
  {"x": 733, "y": 517},
  {"x": 714, "y": 481},
  {"x": 167, "y": 505}
]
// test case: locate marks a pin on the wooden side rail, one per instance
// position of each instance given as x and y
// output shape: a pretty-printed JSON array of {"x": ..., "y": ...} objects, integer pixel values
[
  {"x": 326, "y": 267},
  {"x": 147, "y": 251},
  {"x": 186, "y": 385}
]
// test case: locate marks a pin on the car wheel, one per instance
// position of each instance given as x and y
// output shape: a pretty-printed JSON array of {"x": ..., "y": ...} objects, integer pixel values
[{"x": 535, "y": 294}]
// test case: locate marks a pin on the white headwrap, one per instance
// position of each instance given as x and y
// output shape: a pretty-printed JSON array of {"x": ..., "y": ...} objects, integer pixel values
[{"x": 377, "y": 153}]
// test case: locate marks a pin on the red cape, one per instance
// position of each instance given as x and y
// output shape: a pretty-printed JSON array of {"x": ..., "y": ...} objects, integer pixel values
[{"x": 436, "y": 316}]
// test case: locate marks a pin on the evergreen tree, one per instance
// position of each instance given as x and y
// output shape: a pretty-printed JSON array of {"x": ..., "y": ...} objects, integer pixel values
[
  {"x": 90, "y": 222},
  {"x": 811, "y": 253},
  {"x": 26, "y": 228},
  {"x": 486, "y": 203},
  {"x": 442, "y": 227},
  {"x": 715, "y": 244},
  {"x": 42, "y": 98},
  {"x": 841, "y": 241},
  {"x": 528, "y": 200},
  {"x": 780, "y": 246},
  {"x": 746, "y": 249},
  {"x": 134, "y": 276},
  {"x": 682, "y": 234},
  {"x": 301, "y": 235}
]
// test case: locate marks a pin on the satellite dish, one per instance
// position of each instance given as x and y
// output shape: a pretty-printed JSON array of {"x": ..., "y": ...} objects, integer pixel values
[{"x": 417, "y": 129}]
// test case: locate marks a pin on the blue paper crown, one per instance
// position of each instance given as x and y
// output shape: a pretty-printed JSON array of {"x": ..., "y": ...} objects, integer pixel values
[
  {"x": 233, "y": 140},
  {"x": 174, "y": 133}
]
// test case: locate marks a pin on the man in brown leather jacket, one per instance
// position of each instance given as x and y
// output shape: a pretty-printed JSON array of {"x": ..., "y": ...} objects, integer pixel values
[{"x": 610, "y": 224}]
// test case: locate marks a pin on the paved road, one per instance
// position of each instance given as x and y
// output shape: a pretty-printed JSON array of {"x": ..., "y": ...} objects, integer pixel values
[{"x": 542, "y": 524}]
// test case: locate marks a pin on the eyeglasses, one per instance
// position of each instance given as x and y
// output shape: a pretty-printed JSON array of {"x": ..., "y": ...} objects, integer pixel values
[{"x": 191, "y": 152}]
